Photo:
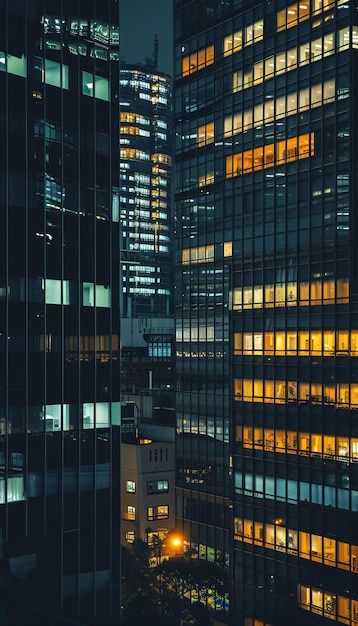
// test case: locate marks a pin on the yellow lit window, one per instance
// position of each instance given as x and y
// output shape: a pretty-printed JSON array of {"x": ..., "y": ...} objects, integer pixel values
[
  {"x": 284, "y": 151},
  {"x": 304, "y": 294},
  {"x": 258, "y": 391},
  {"x": 328, "y": 342},
  {"x": 304, "y": 545},
  {"x": 206, "y": 134},
  {"x": 233, "y": 43},
  {"x": 269, "y": 391},
  {"x": 238, "y": 388},
  {"x": 197, "y": 60},
  {"x": 303, "y": 443},
  {"x": 258, "y": 438},
  {"x": 259, "y": 532},
  {"x": 343, "y": 555},
  {"x": 248, "y": 437},
  {"x": 343, "y": 394},
  {"x": 247, "y": 343},
  {"x": 254, "y": 32},
  {"x": 280, "y": 343},
  {"x": 237, "y": 298},
  {"x": 238, "y": 343},
  {"x": 238, "y": 527},
  {"x": 198, "y": 255},
  {"x": 269, "y": 535},
  {"x": 303, "y": 343},
  {"x": 291, "y": 442},
  {"x": 343, "y": 610},
  {"x": 280, "y": 440},
  {"x": 247, "y": 390},
  {"x": 227, "y": 248},
  {"x": 269, "y": 343},
  {"x": 269, "y": 439},
  {"x": 206, "y": 179},
  {"x": 329, "y": 551},
  {"x": 316, "y": 548},
  {"x": 130, "y": 512},
  {"x": 269, "y": 295},
  {"x": 248, "y": 529},
  {"x": 354, "y": 395},
  {"x": 329, "y": 445},
  {"x": 342, "y": 341},
  {"x": 258, "y": 297}
]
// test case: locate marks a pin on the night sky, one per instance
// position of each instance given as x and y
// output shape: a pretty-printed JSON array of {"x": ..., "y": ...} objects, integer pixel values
[{"x": 140, "y": 21}]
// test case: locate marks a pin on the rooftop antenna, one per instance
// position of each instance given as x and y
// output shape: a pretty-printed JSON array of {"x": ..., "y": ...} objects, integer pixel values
[{"x": 156, "y": 49}]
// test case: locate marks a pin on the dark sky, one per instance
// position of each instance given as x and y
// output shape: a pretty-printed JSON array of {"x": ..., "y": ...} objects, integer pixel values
[{"x": 140, "y": 21}]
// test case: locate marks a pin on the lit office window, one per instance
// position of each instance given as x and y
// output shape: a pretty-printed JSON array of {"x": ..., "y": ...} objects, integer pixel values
[
  {"x": 95, "y": 86},
  {"x": 131, "y": 512},
  {"x": 198, "y": 60},
  {"x": 130, "y": 486},
  {"x": 56, "y": 291},
  {"x": 157, "y": 512},
  {"x": 13, "y": 64},
  {"x": 157, "y": 486}
]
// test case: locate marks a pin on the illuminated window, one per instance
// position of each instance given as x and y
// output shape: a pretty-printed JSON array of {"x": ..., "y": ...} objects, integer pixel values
[
  {"x": 55, "y": 74},
  {"x": 233, "y": 43},
  {"x": 227, "y": 248},
  {"x": 283, "y": 151},
  {"x": 202, "y": 254},
  {"x": 157, "y": 486},
  {"x": 130, "y": 536},
  {"x": 95, "y": 86},
  {"x": 56, "y": 291},
  {"x": 130, "y": 486},
  {"x": 254, "y": 32},
  {"x": 206, "y": 179},
  {"x": 157, "y": 512},
  {"x": 293, "y": 14},
  {"x": 96, "y": 295},
  {"x": 13, "y": 64},
  {"x": 206, "y": 134},
  {"x": 197, "y": 60},
  {"x": 286, "y": 61},
  {"x": 130, "y": 512}
]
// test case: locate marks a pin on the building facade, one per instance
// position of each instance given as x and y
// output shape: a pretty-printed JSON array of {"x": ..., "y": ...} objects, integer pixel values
[
  {"x": 59, "y": 303},
  {"x": 145, "y": 178},
  {"x": 266, "y": 307},
  {"x": 148, "y": 485},
  {"x": 147, "y": 323}
]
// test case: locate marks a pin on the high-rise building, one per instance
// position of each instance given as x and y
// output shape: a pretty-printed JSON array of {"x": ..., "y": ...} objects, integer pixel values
[
  {"x": 266, "y": 302},
  {"x": 59, "y": 302},
  {"x": 146, "y": 234}
]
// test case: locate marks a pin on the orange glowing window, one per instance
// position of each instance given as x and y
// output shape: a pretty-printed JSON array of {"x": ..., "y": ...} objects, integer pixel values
[{"x": 197, "y": 60}]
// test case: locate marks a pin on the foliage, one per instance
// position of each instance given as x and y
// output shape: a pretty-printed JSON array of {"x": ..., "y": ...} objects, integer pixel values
[{"x": 161, "y": 595}]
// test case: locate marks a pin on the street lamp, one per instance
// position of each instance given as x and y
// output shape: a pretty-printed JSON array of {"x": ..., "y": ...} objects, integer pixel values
[{"x": 174, "y": 544}]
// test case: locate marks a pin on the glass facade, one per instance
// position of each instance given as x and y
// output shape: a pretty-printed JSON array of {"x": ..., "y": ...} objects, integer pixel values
[
  {"x": 59, "y": 409},
  {"x": 145, "y": 193},
  {"x": 146, "y": 208},
  {"x": 266, "y": 307}
]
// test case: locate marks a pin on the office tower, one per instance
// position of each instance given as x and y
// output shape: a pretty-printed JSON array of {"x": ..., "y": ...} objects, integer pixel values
[
  {"x": 59, "y": 203},
  {"x": 267, "y": 300},
  {"x": 146, "y": 234}
]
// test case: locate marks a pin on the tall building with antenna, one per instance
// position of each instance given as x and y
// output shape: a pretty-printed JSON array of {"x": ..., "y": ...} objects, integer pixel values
[
  {"x": 146, "y": 227},
  {"x": 267, "y": 302}
]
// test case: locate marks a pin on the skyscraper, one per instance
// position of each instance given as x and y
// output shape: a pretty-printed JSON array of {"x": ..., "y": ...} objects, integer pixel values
[
  {"x": 146, "y": 145},
  {"x": 59, "y": 299},
  {"x": 266, "y": 302}
]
